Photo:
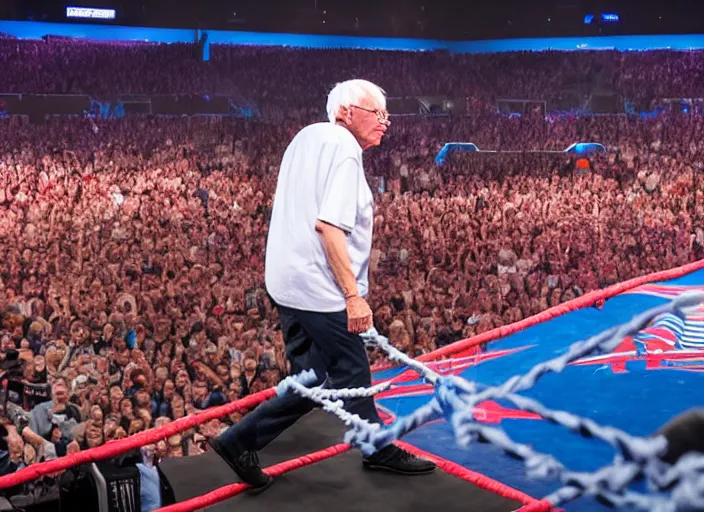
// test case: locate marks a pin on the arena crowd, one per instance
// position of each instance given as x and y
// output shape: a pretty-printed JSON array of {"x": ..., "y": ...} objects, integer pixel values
[{"x": 132, "y": 250}]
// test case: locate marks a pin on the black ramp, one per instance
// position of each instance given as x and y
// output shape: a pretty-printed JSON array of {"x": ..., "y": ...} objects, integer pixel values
[
  {"x": 340, "y": 484},
  {"x": 193, "y": 476}
]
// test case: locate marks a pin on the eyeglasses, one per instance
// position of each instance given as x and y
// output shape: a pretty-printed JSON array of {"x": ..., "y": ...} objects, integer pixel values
[{"x": 381, "y": 115}]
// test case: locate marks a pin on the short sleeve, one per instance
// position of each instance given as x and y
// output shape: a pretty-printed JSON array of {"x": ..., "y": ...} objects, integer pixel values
[
  {"x": 49, "y": 451},
  {"x": 339, "y": 203}
]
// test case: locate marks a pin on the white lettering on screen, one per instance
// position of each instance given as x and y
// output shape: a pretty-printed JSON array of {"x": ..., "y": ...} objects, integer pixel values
[{"x": 89, "y": 12}]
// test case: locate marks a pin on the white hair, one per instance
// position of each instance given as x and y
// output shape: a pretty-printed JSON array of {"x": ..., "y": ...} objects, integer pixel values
[{"x": 351, "y": 92}]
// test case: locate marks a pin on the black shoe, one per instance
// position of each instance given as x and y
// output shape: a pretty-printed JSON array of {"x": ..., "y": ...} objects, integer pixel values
[
  {"x": 246, "y": 465},
  {"x": 396, "y": 460}
]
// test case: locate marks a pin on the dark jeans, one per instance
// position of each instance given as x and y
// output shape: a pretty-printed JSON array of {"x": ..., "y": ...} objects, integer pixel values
[{"x": 318, "y": 341}]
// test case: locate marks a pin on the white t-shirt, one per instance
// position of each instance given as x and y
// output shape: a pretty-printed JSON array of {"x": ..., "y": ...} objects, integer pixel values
[{"x": 321, "y": 178}]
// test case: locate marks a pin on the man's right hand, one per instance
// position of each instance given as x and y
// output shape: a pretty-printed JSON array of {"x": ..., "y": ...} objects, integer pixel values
[{"x": 359, "y": 315}]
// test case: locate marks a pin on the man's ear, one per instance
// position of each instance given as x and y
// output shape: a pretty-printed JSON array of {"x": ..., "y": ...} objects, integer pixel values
[{"x": 344, "y": 115}]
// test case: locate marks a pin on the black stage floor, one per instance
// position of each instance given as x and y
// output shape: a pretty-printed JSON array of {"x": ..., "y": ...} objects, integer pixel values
[{"x": 338, "y": 484}]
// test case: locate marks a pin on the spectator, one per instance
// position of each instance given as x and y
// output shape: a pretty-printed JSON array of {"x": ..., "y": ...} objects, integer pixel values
[
  {"x": 131, "y": 263},
  {"x": 58, "y": 411}
]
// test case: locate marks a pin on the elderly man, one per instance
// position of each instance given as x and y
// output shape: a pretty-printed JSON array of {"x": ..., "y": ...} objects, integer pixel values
[
  {"x": 59, "y": 411},
  {"x": 317, "y": 262}
]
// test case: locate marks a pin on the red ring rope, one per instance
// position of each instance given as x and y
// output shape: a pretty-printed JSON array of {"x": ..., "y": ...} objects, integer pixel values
[
  {"x": 481, "y": 481},
  {"x": 229, "y": 491},
  {"x": 115, "y": 448},
  {"x": 585, "y": 301},
  {"x": 226, "y": 492},
  {"x": 538, "y": 506}
]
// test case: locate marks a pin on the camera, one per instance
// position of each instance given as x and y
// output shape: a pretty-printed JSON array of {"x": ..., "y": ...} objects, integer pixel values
[{"x": 12, "y": 365}]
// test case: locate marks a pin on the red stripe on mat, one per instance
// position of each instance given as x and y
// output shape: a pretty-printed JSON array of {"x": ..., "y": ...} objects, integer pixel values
[
  {"x": 478, "y": 479},
  {"x": 585, "y": 301},
  {"x": 229, "y": 491}
]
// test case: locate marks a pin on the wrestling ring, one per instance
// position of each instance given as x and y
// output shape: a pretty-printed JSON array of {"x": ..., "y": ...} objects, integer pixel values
[{"x": 560, "y": 410}]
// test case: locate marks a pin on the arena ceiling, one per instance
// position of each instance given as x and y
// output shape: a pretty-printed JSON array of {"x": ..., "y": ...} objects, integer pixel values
[{"x": 436, "y": 19}]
